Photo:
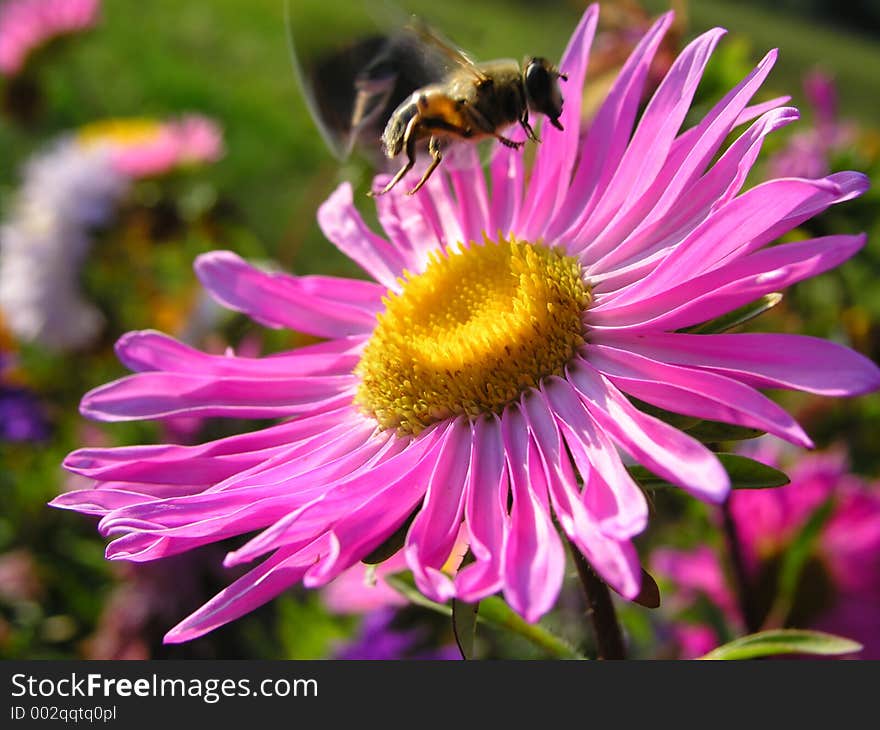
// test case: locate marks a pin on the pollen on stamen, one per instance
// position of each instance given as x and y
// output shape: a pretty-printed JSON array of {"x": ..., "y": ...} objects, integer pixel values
[{"x": 478, "y": 327}]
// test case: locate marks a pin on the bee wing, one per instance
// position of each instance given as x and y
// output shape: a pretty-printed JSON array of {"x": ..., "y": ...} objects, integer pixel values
[
  {"x": 453, "y": 53},
  {"x": 353, "y": 80}
]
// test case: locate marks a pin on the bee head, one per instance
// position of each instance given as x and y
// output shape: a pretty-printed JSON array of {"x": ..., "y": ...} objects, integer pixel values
[{"x": 541, "y": 81}]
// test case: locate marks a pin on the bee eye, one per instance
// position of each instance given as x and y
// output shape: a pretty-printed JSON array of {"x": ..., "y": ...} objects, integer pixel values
[{"x": 542, "y": 89}]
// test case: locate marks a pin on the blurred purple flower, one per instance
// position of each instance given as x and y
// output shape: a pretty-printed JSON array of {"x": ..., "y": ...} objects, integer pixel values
[
  {"x": 22, "y": 416},
  {"x": 378, "y": 638}
]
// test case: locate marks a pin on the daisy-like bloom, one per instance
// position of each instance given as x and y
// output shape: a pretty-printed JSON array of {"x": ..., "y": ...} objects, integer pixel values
[
  {"x": 140, "y": 148},
  {"x": 840, "y": 590},
  {"x": 482, "y": 377},
  {"x": 26, "y": 25},
  {"x": 70, "y": 189}
]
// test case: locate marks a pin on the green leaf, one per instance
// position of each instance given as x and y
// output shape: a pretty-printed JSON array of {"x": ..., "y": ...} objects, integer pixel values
[
  {"x": 710, "y": 432},
  {"x": 464, "y": 626},
  {"x": 784, "y": 641},
  {"x": 745, "y": 473},
  {"x": 494, "y": 612},
  {"x": 738, "y": 316},
  {"x": 673, "y": 419}
]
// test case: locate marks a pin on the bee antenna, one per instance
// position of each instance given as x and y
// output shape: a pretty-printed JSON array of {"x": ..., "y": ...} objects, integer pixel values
[{"x": 564, "y": 77}]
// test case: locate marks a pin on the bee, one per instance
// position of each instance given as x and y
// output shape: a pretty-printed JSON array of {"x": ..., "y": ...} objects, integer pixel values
[
  {"x": 473, "y": 102},
  {"x": 387, "y": 93}
]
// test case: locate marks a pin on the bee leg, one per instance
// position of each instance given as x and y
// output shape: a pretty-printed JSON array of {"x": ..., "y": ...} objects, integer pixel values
[
  {"x": 436, "y": 156},
  {"x": 530, "y": 133},
  {"x": 484, "y": 125},
  {"x": 508, "y": 142},
  {"x": 409, "y": 137}
]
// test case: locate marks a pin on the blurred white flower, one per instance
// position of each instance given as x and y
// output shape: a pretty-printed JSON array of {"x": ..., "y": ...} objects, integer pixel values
[{"x": 67, "y": 190}]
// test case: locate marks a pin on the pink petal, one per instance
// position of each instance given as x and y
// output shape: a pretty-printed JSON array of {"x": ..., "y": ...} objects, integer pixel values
[
  {"x": 608, "y": 136},
  {"x": 744, "y": 225},
  {"x": 263, "y": 583},
  {"x": 280, "y": 300},
  {"x": 615, "y": 560},
  {"x": 328, "y": 502},
  {"x": 147, "y": 350},
  {"x": 98, "y": 501},
  {"x": 720, "y": 184},
  {"x": 724, "y": 289},
  {"x": 757, "y": 110},
  {"x": 763, "y": 360},
  {"x": 508, "y": 177},
  {"x": 345, "y": 228},
  {"x": 556, "y": 156},
  {"x": 431, "y": 537},
  {"x": 401, "y": 218},
  {"x": 688, "y": 157},
  {"x": 485, "y": 513},
  {"x": 138, "y": 547},
  {"x": 695, "y": 393},
  {"x": 237, "y": 510},
  {"x": 160, "y": 394},
  {"x": 665, "y": 450},
  {"x": 172, "y": 464},
  {"x": 440, "y": 209},
  {"x": 653, "y": 139},
  {"x": 610, "y": 496},
  {"x": 365, "y": 527},
  {"x": 469, "y": 185},
  {"x": 534, "y": 560}
]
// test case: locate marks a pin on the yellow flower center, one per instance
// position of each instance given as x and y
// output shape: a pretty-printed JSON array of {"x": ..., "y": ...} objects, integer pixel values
[
  {"x": 471, "y": 333},
  {"x": 123, "y": 132}
]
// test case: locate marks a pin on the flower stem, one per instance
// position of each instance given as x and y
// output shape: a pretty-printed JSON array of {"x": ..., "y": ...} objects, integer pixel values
[
  {"x": 744, "y": 592},
  {"x": 609, "y": 639}
]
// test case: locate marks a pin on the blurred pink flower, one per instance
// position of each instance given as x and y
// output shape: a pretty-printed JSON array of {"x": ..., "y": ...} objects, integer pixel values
[
  {"x": 20, "y": 577},
  {"x": 454, "y": 387},
  {"x": 141, "y": 148},
  {"x": 71, "y": 187},
  {"x": 361, "y": 588},
  {"x": 808, "y": 153},
  {"x": 26, "y": 25},
  {"x": 767, "y": 521}
]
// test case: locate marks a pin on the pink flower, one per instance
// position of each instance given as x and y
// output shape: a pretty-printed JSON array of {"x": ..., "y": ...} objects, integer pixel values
[
  {"x": 808, "y": 153},
  {"x": 140, "y": 148},
  {"x": 847, "y": 552},
  {"x": 25, "y": 25},
  {"x": 454, "y": 386},
  {"x": 361, "y": 588}
]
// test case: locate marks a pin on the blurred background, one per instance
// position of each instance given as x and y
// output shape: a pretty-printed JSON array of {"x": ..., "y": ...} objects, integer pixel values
[{"x": 212, "y": 146}]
